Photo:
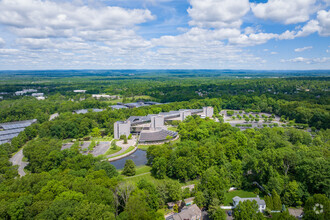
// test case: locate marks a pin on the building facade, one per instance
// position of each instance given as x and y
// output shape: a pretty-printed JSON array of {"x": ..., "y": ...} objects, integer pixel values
[
  {"x": 157, "y": 122},
  {"x": 184, "y": 114},
  {"x": 122, "y": 128},
  {"x": 261, "y": 203},
  {"x": 208, "y": 111}
]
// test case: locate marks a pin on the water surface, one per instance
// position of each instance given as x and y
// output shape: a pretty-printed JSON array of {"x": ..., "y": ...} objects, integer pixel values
[{"x": 139, "y": 157}]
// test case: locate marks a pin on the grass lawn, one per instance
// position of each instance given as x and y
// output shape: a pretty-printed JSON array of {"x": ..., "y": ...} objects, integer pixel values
[
  {"x": 142, "y": 169},
  {"x": 144, "y": 147},
  {"x": 142, "y": 172},
  {"x": 126, "y": 151},
  {"x": 112, "y": 151},
  {"x": 146, "y": 176},
  {"x": 171, "y": 128},
  {"x": 241, "y": 193}
]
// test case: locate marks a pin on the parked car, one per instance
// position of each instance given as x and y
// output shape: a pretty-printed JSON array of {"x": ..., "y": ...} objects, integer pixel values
[{"x": 229, "y": 213}]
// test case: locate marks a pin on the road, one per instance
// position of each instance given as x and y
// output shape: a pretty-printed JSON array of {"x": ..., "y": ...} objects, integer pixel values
[{"x": 17, "y": 159}]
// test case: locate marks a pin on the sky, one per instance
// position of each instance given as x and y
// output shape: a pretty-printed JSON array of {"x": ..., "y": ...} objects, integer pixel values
[{"x": 165, "y": 34}]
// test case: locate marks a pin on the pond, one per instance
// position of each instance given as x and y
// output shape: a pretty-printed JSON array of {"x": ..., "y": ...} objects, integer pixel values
[{"x": 139, "y": 157}]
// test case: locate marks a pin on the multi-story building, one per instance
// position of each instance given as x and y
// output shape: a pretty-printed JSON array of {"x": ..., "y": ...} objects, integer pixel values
[
  {"x": 157, "y": 122},
  {"x": 184, "y": 114},
  {"x": 122, "y": 128},
  {"x": 208, "y": 111}
]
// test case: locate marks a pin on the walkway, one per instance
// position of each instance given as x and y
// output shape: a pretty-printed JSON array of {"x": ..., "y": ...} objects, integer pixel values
[
  {"x": 17, "y": 159},
  {"x": 123, "y": 146}
]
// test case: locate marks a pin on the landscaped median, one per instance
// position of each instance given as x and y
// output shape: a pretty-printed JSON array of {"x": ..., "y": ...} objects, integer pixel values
[{"x": 127, "y": 152}]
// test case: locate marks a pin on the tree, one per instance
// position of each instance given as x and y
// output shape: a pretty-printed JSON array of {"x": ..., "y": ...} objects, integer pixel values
[
  {"x": 215, "y": 212},
  {"x": 176, "y": 208},
  {"x": 110, "y": 169},
  {"x": 269, "y": 202},
  {"x": 277, "y": 204},
  {"x": 129, "y": 168},
  {"x": 159, "y": 168},
  {"x": 215, "y": 182},
  {"x": 96, "y": 132},
  {"x": 317, "y": 208},
  {"x": 91, "y": 146},
  {"x": 247, "y": 210},
  {"x": 114, "y": 145},
  {"x": 200, "y": 199},
  {"x": 219, "y": 214},
  {"x": 123, "y": 137},
  {"x": 290, "y": 196}
]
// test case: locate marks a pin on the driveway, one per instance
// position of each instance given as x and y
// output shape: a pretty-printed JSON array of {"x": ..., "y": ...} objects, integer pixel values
[
  {"x": 17, "y": 159},
  {"x": 123, "y": 146}
]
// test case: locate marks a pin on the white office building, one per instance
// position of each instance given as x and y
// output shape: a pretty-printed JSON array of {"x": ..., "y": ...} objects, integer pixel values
[
  {"x": 37, "y": 94},
  {"x": 122, "y": 128},
  {"x": 157, "y": 122},
  {"x": 79, "y": 91},
  {"x": 208, "y": 111},
  {"x": 184, "y": 114}
]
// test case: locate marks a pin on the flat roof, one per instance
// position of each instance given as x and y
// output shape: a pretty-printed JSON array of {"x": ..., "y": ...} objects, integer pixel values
[{"x": 152, "y": 136}]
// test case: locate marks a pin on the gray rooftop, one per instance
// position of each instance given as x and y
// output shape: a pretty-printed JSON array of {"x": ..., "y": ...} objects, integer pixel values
[
  {"x": 85, "y": 111},
  {"x": 17, "y": 124},
  {"x": 12, "y": 129},
  {"x": 118, "y": 106},
  {"x": 189, "y": 212},
  {"x": 147, "y": 136}
]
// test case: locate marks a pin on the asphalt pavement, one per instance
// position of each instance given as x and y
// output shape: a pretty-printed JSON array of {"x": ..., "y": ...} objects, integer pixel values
[{"x": 17, "y": 159}]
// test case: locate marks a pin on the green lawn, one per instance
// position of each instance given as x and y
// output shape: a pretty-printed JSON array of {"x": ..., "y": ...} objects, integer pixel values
[
  {"x": 112, "y": 151},
  {"x": 143, "y": 171},
  {"x": 171, "y": 128},
  {"x": 126, "y": 151},
  {"x": 136, "y": 179},
  {"x": 241, "y": 193},
  {"x": 140, "y": 170},
  {"x": 144, "y": 147}
]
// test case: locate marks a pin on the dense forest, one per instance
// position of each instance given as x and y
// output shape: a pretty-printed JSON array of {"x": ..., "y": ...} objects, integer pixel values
[{"x": 290, "y": 163}]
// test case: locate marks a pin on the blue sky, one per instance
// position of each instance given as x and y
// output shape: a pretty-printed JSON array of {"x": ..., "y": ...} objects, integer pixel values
[{"x": 165, "y": 34}]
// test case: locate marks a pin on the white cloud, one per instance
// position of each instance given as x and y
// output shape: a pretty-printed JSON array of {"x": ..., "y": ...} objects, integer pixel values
[
  {"x": 320, "y": 25},
  {"x": 273, "y": 53},
  {"x": 252, "y": 39},
  {"x": 324, "y": 22},
  {"x": 2, "y": 42},
  {"x": 307, "y": 60},
  {"x": 303, "y": 49},
  {"x": 217, "y": 14},
  {"x": 287, "y": 35},
  {"x": 46, "y": 14},
  {"x": 287, "y": 12},
  {"x": 48, "y": 24}
]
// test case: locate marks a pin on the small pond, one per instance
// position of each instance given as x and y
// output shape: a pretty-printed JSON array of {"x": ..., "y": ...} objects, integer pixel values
[{"x": 139, "y": 157}]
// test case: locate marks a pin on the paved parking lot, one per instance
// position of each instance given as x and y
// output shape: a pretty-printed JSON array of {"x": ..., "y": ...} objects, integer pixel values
[{"x": 98, "y": 150}]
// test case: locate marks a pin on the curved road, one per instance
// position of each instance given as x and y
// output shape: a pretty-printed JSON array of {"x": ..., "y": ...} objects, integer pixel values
[{"x": 17, "y": 159}]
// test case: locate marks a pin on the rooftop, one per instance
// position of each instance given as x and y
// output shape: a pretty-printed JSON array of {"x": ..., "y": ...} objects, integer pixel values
[
  {"x": 154, "y": 136},
  {"x": 12, "y": 129},
  {"x": 118, "y": 106},
  {"x": 189, "y": 212},
  {"x": 238, "y": 199}
]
